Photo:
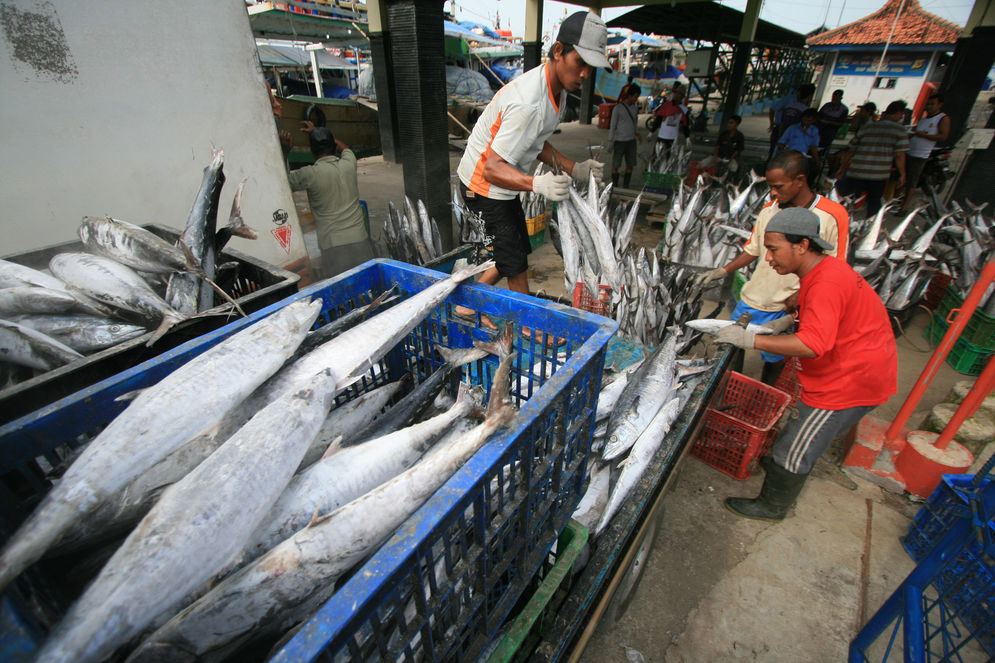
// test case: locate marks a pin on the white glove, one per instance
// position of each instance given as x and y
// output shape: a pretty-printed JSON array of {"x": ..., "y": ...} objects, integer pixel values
[
  {"x": 736, "y": 335},
  {"x": 780, "y": 325},
  {"x": 583, "y": 169},
  {"x": 711, "y": 275},
  {"x": 552, "y": 186}
]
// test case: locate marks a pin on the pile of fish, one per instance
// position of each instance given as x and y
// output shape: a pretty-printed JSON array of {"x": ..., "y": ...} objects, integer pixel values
[
  {"x": 532, "y": 203},
  {"x": 412, "y": 236},
  {"x": 636, "y": 408},
  {"x": 672, "y": 161},
  {"x": 707, "y": 226},
  {"x": 900, "y": 263},
  {"x": 127, "y": 281},
  {"x": 643, "y": 293},
  {"x": 244, "y": 492}
]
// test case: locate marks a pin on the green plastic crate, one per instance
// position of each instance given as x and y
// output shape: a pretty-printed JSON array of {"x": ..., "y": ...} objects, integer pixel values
[
  {"x": 979, "y": 330},
  {"x": 536, "y": 240},
  {"x": 965, "y": 357},
  {"x": 539, "y": 611},
  {"x": 738, "y": 280},
  {"x": 665, "y": 182}
]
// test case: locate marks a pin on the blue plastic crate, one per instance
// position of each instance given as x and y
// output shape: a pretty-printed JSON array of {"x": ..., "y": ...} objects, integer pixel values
[
  {"x": 444, "y": 583},
  {"x": 947, "y": 503}
]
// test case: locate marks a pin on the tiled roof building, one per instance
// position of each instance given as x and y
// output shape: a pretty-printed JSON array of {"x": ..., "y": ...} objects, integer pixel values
[{"x": 915, "y": 28}]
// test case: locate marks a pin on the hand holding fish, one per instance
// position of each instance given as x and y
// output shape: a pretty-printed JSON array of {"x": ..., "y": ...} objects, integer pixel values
[
  {"x": 552, "y": 186},
  {"x": 582, "y": 170},
  {"x": 780, "y": 325},
  {"x": 711, "y": 275},
  {"x": 736, "y": 335}
]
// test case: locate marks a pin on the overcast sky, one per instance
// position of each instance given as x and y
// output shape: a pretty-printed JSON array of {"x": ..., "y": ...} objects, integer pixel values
[{"x": 798, "y": 15}]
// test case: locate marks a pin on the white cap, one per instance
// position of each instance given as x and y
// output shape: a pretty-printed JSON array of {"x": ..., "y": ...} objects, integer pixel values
[{"x": 589, "y": 37}]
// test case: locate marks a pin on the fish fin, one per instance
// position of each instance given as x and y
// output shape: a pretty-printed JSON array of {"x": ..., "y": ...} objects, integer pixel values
[
  {"x": 333, "y": 447},
  {"x": 168, "y": 322},
  {"x": 225, "y": 295},
  {"x": 500, "y": 343},
  {"x": 499, "y": 400},
  {"x": 314, "y": 517},
  {"x": 456, "y": 357},
  {"x": 129, "y": 396}
]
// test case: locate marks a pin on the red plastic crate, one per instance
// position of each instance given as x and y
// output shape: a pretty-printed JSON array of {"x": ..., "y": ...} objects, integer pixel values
[
  {"x": 935, "y": 290},
  {"x": 788, "y": 382},
  {"x": 583, "y": 301},
  {"x": 739, "y": 426}
]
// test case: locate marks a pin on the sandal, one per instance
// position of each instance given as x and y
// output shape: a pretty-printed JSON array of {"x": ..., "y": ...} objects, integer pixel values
[{"x": 544, "y": 338}]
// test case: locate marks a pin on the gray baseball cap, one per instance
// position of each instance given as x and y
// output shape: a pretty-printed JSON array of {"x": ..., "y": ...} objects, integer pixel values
[
  {"x": 798, "y": 221},
  {"x": 589, "y": 37}
]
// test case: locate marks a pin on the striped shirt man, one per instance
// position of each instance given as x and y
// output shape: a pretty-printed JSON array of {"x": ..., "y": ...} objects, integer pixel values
[{"x": 875, "y": 147}]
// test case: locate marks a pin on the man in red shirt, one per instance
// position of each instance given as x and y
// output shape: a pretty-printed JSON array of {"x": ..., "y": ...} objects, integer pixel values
[{"x": 847, "y": 354}]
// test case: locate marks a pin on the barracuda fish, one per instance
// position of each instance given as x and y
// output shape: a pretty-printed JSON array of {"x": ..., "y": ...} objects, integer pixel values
[
  {"x": 348, "y": 474},
  {"x": 712, "y": 326},
  {"x": 870, "y": 240},
  {"x": 81, "y": 332},
  {"x": 290, "y": 581},
  {"x": 610, "y": 393},
  {"x": 13, "y": 275},
  {"x": 116, "y": 286},
  {"x": 33, "y": 299},
  {"x": 184, "y": 292},
  {"x": 357, "y": 350},
  {"x": 134, "y": 246},
  {"x": 196, "y": 528},
  {"x": 187, "y": 402},
  {"x": 327, "y": 332},
  {"x": 24, "y": 346},
  {"x": 410, "y": 408},
  {"x": 592, "y": 504},
  {"x": 739, "y": 203},
  {"x": 638, "y": 459},
  {"x": 648, "y": 389}
]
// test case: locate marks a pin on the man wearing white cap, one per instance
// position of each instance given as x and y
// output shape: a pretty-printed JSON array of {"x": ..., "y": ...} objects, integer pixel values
[
  {"x": 848, "y": 361},
  {"x": 512, "y": 132}
]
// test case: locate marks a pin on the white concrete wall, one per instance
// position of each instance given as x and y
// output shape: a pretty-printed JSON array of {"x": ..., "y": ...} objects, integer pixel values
[
  {"x": 114, "y": 109},
  {"x": 856, "y": 88}
]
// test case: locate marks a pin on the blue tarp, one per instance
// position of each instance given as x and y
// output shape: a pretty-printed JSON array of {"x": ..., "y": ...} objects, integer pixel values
[
  {"x": 471, "y": 26},
  {"x": 637, "y": 38},
  {"x": 458, "y": 30}
]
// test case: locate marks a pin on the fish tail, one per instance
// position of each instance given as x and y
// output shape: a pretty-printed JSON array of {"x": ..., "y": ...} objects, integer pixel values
[
  {"x": 225, "y": 295},
  {"x": 500, "y": 343},
  {"x": 462, "y": 271},
  {"x": 168, "y": 321}
]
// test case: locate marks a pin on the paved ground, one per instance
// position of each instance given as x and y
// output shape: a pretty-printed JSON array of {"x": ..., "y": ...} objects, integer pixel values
[{"x": 721, "y": 588}]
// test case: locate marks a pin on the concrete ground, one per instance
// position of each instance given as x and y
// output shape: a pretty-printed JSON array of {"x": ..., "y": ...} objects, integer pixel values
[{"x": 722, "y": 588}]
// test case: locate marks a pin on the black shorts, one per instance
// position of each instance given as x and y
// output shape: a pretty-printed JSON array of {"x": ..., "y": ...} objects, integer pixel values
[{"x": 504, "y": 220}]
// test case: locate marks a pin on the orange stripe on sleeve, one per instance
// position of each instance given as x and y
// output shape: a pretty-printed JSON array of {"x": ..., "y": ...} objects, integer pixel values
[{"x": 478, "y": 184}]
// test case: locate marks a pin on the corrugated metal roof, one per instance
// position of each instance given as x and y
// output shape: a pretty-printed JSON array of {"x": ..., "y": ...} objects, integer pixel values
[{"x": 279, "y": 55}]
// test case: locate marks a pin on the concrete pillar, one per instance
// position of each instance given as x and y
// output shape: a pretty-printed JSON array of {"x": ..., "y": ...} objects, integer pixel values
[
  {"x": 741, "y": 58},
  {"x": 382, "y": 78},
  {"x": 418, "y": 52},
  {"x": 532, "y": 42}
]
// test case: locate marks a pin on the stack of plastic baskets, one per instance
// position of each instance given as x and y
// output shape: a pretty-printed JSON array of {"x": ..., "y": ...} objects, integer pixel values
[
  {"x": 976, "y": 344},
  {"x": 946, "y": 606}
]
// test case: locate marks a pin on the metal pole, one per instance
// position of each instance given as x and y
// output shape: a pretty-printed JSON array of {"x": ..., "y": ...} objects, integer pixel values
[
  {"x": 982, "y": 387},
  {"x": 942, "y": 350}
]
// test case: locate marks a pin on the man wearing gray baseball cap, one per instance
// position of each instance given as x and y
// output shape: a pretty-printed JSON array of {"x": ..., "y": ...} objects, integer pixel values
[
  {"x": 846, "y": 350},
  {"x": 512, "y": 132}
]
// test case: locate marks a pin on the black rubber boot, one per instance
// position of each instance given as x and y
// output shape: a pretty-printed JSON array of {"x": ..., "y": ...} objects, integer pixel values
[
  {"x": 626, "y": 179},
  {"x": 778, "y": 495},
  {"x": 771, "y": 371},
  {"x": 614, "y": 179}
]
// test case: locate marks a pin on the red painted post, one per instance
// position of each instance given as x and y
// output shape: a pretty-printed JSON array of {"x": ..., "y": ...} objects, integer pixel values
[
  {"x": 982, "y": 387},
  {"x": 942, "y": 350}
]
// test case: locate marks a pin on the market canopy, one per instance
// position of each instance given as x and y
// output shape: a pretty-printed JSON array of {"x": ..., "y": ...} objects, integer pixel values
[
  {"x": 614, "y": 39},
  {"x": 706, "y": 21},
  {"x": 285, "y": 55}
]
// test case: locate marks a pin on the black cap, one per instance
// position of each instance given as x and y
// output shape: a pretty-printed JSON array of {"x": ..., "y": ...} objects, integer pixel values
[{"x": 322, "y": 141}]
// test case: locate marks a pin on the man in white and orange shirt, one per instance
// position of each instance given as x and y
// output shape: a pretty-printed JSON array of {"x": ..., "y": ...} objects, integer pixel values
[
  {"x": 764, "y": 296},
  {"x": 846, "y": 349},
  {"x": 513, "y": 131}
]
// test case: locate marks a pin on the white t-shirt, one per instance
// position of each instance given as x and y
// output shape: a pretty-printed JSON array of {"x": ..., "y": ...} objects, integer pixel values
[
  {"x": 514, "y": 126},
  {"x": 920, "y": 147},
  {"x": 671, "y": 125}
]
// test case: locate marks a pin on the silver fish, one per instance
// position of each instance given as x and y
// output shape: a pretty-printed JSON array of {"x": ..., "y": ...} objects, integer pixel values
[
  {"x": 133, "y": 246},
  {"x": 592, "y": 504},
  {"x": 185, "y": 403},
  {"x": 712, "y": 326},
  {"x": 196, "y": 528},
  {"x": 26, "y": 299},
  {"x": 298, "y": 575},
  {"x": 236, "y": 224},
  {"x": 648, "y": 389},
  {"x": 610, "y": 393},
  {"x": 638, "y": 459},
  {"x": 24, "y": 346},
  {"x": 82, "y": 332},
  {"x": 344, "y": 476},
  {"x": 14, "y": 274},
  {"x": 115, "y": 285}
]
